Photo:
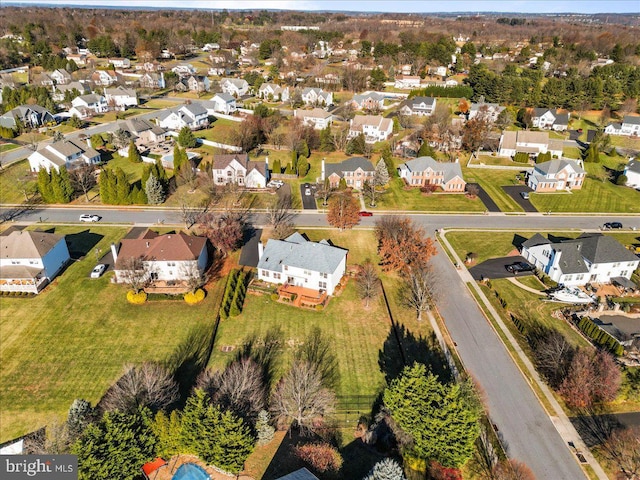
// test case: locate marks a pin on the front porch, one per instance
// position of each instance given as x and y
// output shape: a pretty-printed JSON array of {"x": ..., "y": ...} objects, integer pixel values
[{"x": 301, "y": 296}]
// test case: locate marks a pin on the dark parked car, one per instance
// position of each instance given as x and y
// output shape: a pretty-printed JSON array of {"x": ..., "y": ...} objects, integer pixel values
[
  {"x": 612, "y": 226},
  {"x": 518, "y": 267}
]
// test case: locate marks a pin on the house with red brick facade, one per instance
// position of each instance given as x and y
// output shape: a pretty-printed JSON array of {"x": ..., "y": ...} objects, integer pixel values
[
  {"x": 423, "y": 171},
  {"x": 556, "y": 175},
  {"x": 355, "y": 171}
]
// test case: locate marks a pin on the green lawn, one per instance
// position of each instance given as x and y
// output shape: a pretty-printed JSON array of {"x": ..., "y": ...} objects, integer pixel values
[
  {"x": 401, "y": 198},
  {"x": 5, "y": 147},
  {"x": 220, "y": 131},
  {"x": 73, "y": 339},
  {"x": 12, "y": 181},
  {"x": 496, "y": 160},
  {"x": 492, "y": 181}
]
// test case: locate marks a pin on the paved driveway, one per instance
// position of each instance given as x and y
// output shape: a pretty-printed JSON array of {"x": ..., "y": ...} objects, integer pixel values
[
  {"x": 514, "y": 192},
  {"x": 496, "y": 268},
  {"x": 486, "y": 199},
  {"x": 249, "y": 254},
  {"x": 308, "y": 201}
]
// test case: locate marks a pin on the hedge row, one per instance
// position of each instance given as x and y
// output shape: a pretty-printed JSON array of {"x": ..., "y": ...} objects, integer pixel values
[
  {"x": 599, "y": 337},
  {"x": 234, "y": 294}
]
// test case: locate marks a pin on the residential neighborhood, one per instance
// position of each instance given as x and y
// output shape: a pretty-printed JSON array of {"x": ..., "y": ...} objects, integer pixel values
[{"x": 320, "y": 241}]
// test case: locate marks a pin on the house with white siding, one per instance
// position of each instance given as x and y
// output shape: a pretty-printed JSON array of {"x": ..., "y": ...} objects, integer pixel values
[
  {"x": 630, "y": 126},
  {"x": 237, "y": 169},
  {"x": 317, "y": 118},
  {"x": 87, "y": 105},
  {"x": 30, "y": 259},
  {"x": 191, "y": 115},
  {"x": 527, "y": 141},
  {"x": 549, "y": 119},
  {"x": 65, "y": 153},
  {"x": 173, "y": 257},
  {"x": 421, "y": 106},
  {"x": 121, "y": 97},
  {"x": 221, "y": 103},
  {"x": 590, "y": 258},
  {"x": 300, "y": 262},
  {"x": 375, "y": 128},
  {"x": 316, "y": 96},
  {"x": 234, "y": 86},
  {"x": 271, "y": 91},
  {"x": 632, "y": 172},
  {"x": 407, "y": 82}
]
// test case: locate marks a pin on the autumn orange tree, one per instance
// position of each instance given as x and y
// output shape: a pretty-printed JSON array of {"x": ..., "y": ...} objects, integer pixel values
[
  {"x": 402, "y": 244},
  {"x": 343, "y": 211}
]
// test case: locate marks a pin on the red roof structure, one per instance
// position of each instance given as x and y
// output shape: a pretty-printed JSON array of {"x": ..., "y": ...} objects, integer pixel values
[{"x": 150, "y": 467}]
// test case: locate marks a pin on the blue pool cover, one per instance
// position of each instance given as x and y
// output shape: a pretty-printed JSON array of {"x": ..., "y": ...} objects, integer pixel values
[{"x": 190, "y": 471}]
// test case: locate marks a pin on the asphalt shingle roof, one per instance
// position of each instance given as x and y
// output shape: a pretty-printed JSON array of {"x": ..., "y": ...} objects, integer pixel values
[
  {"x": 27, "y": 244},
  {"x": 348, "y": 165},
  {"x": 421, "y": 164}
]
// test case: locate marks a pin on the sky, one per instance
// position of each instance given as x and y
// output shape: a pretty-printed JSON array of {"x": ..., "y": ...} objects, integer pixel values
[{"x": 416, "y": 6}]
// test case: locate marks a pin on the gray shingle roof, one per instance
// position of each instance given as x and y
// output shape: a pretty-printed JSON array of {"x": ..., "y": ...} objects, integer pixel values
[
  {"x": 554, "y": 166},
  {"x": 348, "y": 165},
  {"x": 634, "y": 166},
  {"x": 420, "y": 164},
  {"x": 296, "y": 251},
  {"x": 631, "y": 120}
]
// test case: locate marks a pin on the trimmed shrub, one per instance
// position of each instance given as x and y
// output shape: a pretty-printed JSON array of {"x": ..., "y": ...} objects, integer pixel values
[
  {"x": 194, "y": 297},
  {"x": 319, "y": 308},
  {"x": 275, "y": 297},
  {"x": 136, "y": 298},
  {"x": 321, "y": 456}
]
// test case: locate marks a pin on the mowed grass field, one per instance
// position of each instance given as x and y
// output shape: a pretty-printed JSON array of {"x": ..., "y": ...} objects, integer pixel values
[
  {"x": 73, "y": 339},
  {"x": 358, "y": 334}
]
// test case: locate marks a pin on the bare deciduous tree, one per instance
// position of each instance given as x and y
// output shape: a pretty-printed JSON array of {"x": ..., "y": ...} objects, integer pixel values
[
  {"x": 239, "y": 387},
  {"x": 553, "y": 356},
  {"x": 324, "y": 191},
  {"x": 368, "y": 282},
  {"x": 340, "y": 138},
  {"x": 149, "y": 385},
  {"x": 317, "y": 349},
  {"x": 194, "y": 278},
  {"x": 418, "y": 288},
  {"x": 55, "y": 439},
  {"x": 224, "y": 230},
  {"x": 281, "y": 217},
  {"x": 135, "y": 272},
  {"x": 512, "y": 470},
  {"x": 83, "y": 178},
  {"x": 301, "y": 398},
  {"x": 623, "y": 449},
  {"x": 191, "y": 212}
]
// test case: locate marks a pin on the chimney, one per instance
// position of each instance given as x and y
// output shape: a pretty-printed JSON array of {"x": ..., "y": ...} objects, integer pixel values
[
  {"x": 322, "y": 171},
  {"x": 114, "y": 252},
  {"x": 260, "y": 250}
]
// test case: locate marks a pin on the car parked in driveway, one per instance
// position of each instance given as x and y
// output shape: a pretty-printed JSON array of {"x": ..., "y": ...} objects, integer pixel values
[
  {"x": 518, "y": 267},
  {"x": 612, "y": 226},
  {"x": 98, "y": 270},
  {"x": 85, "y": 217},
  {"x": 365, "y": 214},
  {"x": 525, "y": 195}
]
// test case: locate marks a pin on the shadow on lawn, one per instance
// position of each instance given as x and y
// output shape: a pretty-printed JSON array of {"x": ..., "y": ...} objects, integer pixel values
[
  {"x": 265, "y": 351},
  {"x": 402, "y": 348},
  {"x": 81, "y": 243}
]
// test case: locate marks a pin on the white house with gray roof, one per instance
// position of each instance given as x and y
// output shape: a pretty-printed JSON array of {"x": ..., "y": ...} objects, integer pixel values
[
  {"x": 356, "y": 171},
  {"x": 423, "y": 171},
  {"x": 90, "y": 104},
  {"x": 29, "y": 260},
  {"x": 221, "y": 103},
  {"x": 121, "y": 97},
  {"x": 547, "y": 118},
  {"x": 590, "y": 258},
  {"x": 234, "y": 86},
  {"x": 316, "y": 118},
  {"x": 489, "y": 111},
  {"x": 557, "y": 174},
  {"x": 632, "y": 172},
  {"x": 191, "y": 115},
  {"x": 30, "y": 116},
  {"x": 65, "y": 153},
  {"x": 316, "y": 96},
  {"x": 368, "y": 101},
  {"x": 303, "y": 263},
  {"x": 630, "y": 126},
  {"x": 421, "y": 106},
  {"x": 375, "y": 128}
]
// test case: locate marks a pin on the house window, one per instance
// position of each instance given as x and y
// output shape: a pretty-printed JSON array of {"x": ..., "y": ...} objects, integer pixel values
[
  {"x": 276, "y": 276},
  {"x": 324, "y": 275},
  {"x": 265, "y": 273},
  {"x": 617, "y": 264},
  {"x": 307, "y": 273},
  {"x": 322, "y": 285},
  {"x": 580, "y": 276},
  {"x": 624, "y": 273},
  {"x": 286, "y": 268}
]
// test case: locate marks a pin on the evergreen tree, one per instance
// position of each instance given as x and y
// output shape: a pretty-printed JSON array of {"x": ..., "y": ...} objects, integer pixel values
[
  {"x": 440, "y": 419},
  {"x": 97, "y": 141},
  {"x": 123, "y": 189},
  {"x": 276, "y": 168},
  {"x": 387, "y": 157},
  {"x": 381, "y": 175},
  {"x": 108, "y": 193},
  {"x": 168, "y": 430},
  {"x": 326, "y": 142},
  {"x": 387, "y": 469},
  {"x": 356, "y": 145},
  {"x": 44, "y": 186},
  {"x": 66, "y": 185},
  {"x": 426, "y": 150},
  {"x": 134, "y": 154},
  {"x": 294, "y": 161},
  {"x": 137, "y": 196},
  {"x": 304, "y": 149},
  {"x": 179, "y": 157},
  {"x": 186, "y": 138},
  {"x": 264, "y": 429},
  {"x": 289, "y": 170},
  {"x": 219, "y": 438},
  {"x": 303, "y": 167},
  {"x": 154, "y": 191}
]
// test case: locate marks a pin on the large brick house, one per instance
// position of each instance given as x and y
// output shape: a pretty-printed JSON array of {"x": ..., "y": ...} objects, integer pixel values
[
  {"x": 423, "y": 171},
  {"x": 356, "y": 171}
]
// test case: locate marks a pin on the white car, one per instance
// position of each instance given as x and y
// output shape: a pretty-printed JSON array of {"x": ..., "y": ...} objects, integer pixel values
[
  {"x": 98, "y": 270},
  {"x": 307, "y": 191},
  {"x": 89, "y": 218}
]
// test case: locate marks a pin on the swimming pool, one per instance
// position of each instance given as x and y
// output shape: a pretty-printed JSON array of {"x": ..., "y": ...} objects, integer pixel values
[{"x": 190, "y": 471}]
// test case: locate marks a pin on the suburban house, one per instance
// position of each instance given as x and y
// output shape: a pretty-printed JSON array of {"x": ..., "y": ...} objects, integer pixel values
[
  {"x": 152, "y": 80},
  {"x": 119, "y": 62},
  {"x": 184, "y": 69},
  {"x": 29, "y": 116},
  {"x": 174, "y": 257},
  {"x": 422, "y": 106},
  {"x": 630, "y": 126},
  {"x": 60, "y": 76},
  {"x": 104, "y": 78},
  {"x": 59, "y": 91},
  {"x": 632, "y": 172},
  {"x": 43, "y": 79},
  {"x": 77, "y": 58},
  {"x": 375, "y": 128},
  {"x": 317, "y": 118},
  {"x": 407, "y": 82},
  {"x": 533, "y": 143},
  {"x": 234, "y": 86},
  {"x": 299, "y": 262},
  {"x": 271, "y": 91},
  {"x": 88, "y": 105},
  {"x": 30, "y": 259},
  {"x": 191, "y": 115},
  {"x": 143, "y": 131},
  {"x": 489, "y": 111},
  {"x": 356, "y": 171},
  {"x": 557, "y": 174},
  {"x": 368, "y": 101},
  {"x": 546, "y": 118},
  {"x": 65, "y": 153},
  {"x": 121, "y": 97},
  {"x": 239, "y": 170},
  {"x": 221, "y": 103},
  {"x": 316, "y": 96},
  {"x": 590, "y": 258},
  {"x": 423, "y": 171},
  {"x": 198, "y": 83}
]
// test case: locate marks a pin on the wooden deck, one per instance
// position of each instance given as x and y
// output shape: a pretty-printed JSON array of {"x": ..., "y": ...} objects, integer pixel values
[{"x": 304, "y": 297}]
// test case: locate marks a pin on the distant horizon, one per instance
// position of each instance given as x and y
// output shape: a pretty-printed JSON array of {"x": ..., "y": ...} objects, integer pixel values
[{"x": 588, "y": 7}]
